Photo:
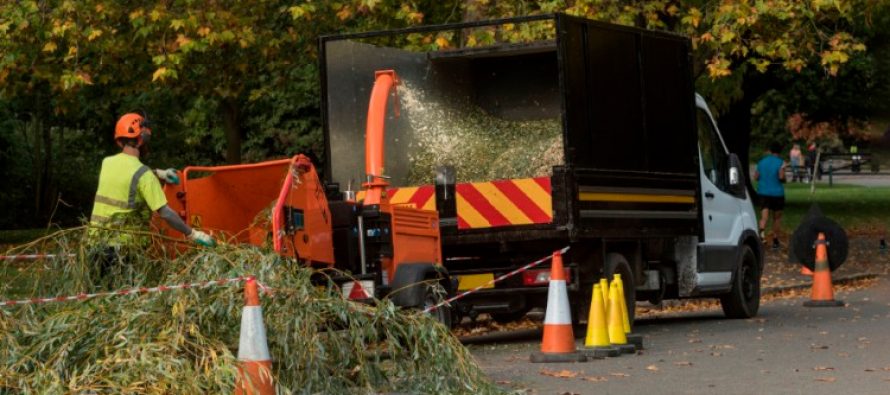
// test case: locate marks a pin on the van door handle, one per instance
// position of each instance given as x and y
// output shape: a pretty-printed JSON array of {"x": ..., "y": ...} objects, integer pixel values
[{"x": 709, "y": 195}]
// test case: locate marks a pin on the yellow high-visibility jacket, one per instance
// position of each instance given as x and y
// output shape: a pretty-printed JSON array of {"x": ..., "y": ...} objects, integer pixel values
[{"x": 125, "y": 185}]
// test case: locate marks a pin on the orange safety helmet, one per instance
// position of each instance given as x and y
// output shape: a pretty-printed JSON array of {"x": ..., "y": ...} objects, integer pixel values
[{"x": 132, "y": 126}]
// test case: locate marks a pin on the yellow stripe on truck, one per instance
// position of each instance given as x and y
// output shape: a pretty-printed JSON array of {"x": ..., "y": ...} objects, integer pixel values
[{"x": 633, "y": 198}]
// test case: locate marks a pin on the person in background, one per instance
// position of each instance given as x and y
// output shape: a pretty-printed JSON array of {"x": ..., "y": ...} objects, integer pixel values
[
  {"x": 796, "y": 163},
  {"x": 770, "y": 175},
  {"x": 856, "y": 159},
  {"x": 812, "y": 172}
]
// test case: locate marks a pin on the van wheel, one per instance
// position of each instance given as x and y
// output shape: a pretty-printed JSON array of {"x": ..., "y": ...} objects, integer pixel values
[
  {"x": 433, "y": 294},
  {"x": 743, "y": 300},
  {"x": 617, "y": 264}
]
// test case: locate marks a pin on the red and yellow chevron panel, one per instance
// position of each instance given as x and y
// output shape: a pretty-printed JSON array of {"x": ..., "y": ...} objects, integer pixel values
[{"x": 490, "y": 204}]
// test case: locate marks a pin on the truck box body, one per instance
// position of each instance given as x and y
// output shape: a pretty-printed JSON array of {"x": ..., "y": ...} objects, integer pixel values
[{"x": 622, "y": 99}]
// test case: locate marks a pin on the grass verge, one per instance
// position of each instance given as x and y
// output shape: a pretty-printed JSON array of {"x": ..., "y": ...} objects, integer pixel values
[{"x": 860, "y": 210}]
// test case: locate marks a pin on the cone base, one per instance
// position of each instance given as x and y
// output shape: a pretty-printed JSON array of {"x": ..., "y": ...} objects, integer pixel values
[
  {"x": 824, "y": 303},
  {"x": 601, "y": 352},
  {"x": 636, "y": 340},
  {"x": 626, "y": 348},
  {"x": 540, "y": 357}
]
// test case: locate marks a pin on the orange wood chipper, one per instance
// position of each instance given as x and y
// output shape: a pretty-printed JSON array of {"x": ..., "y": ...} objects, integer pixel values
[{"x": 283, "y": 203}]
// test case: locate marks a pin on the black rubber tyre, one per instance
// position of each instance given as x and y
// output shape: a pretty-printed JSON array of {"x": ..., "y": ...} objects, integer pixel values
[
  {"x": 806, "y": 234},
  {"x": 615, "y": 263},
  {"x": 743, "y": 300},
  {"x": 433, "y": 294}
]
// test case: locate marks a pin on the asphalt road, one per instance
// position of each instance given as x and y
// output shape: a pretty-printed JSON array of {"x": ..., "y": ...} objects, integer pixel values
[{"x": 787, "y": 349}]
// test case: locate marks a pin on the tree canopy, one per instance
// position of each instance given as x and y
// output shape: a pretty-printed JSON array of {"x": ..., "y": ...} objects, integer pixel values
[{"x": 227, "y": 81}]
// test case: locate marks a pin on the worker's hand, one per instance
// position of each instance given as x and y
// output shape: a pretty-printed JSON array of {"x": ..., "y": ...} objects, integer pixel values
[
  {"x": 169, "y": 176},
  {"x": 202, "y": 238}
]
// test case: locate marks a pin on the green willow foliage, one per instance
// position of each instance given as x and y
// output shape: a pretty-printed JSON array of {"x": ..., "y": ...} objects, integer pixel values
[{"x": 184, "y": 341}]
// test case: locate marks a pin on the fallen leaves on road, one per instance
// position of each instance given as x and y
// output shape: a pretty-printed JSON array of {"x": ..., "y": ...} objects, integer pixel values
[
  {"x": 821, "y": 368},
  {"x": 652, "y": 368},
  {"x": 826, "y": 379},
  {"x": 488, "y": 326},
  {"x": 595, "y": 379},
  {"x": 722, "y": 346},
  {"x": 619, "y": 374},
  {"x": 563, "y": 374},
  {"x": 683, "y": 363}
]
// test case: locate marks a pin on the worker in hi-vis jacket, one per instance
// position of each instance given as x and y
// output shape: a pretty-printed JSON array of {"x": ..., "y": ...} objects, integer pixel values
[{"x": 126, "y": 186}]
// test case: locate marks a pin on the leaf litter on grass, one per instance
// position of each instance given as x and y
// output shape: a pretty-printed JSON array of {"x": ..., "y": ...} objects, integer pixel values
[{"x": 185, "y": 341}]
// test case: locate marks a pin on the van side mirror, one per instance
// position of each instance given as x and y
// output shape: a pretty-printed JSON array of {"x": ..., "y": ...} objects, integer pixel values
[
  {"x": 733, "y": 176},
  {"x": 736, "y": 177}
]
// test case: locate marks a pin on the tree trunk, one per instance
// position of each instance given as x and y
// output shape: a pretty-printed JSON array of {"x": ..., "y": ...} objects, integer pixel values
[
  {"x": 44, "y": 191},
  {"x": 735, "y": 124},
  {"x": 230, "y": 116}
]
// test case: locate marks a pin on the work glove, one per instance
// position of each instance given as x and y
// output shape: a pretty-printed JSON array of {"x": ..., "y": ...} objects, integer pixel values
[
  {"x": 202, "y": 238},
  {"x": 169, "y": 176}
]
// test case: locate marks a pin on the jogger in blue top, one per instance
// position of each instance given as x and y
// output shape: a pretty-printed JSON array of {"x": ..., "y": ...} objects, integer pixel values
[{"x": 770, "y": 175}]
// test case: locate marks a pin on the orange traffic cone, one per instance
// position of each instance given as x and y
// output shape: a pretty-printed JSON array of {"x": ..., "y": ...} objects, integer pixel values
[
  {"x": 805, "y": 271},
  {"x": 558, "y": 344},
  {"x": 255, "y": 363},
  {"x": 823, "y": 294}
]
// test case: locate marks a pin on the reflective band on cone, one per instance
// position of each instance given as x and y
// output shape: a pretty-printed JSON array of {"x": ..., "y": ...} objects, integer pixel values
[
  {"x": 558, "y": 344},
  {"x": 255, "y": 363}
]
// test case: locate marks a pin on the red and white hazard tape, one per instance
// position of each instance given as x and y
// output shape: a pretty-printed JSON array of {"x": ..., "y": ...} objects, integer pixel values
[
  {"x": 493, "y": 281},
  {"x": 128, "y": 291},
  {"x": 31, "y": 257}
]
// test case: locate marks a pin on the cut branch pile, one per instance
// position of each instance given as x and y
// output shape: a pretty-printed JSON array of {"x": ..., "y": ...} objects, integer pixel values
[{"x": 184, "y": 341}]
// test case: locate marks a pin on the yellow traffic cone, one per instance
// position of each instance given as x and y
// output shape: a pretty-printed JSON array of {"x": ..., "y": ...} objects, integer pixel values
[
  {"x": 617, "y": 283},
  {"x": 604, "y": 285},
  {"x": 634, "y": 339},
  {"x": 616, "y": 325},
  {"x": 596, "y": 344}
]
